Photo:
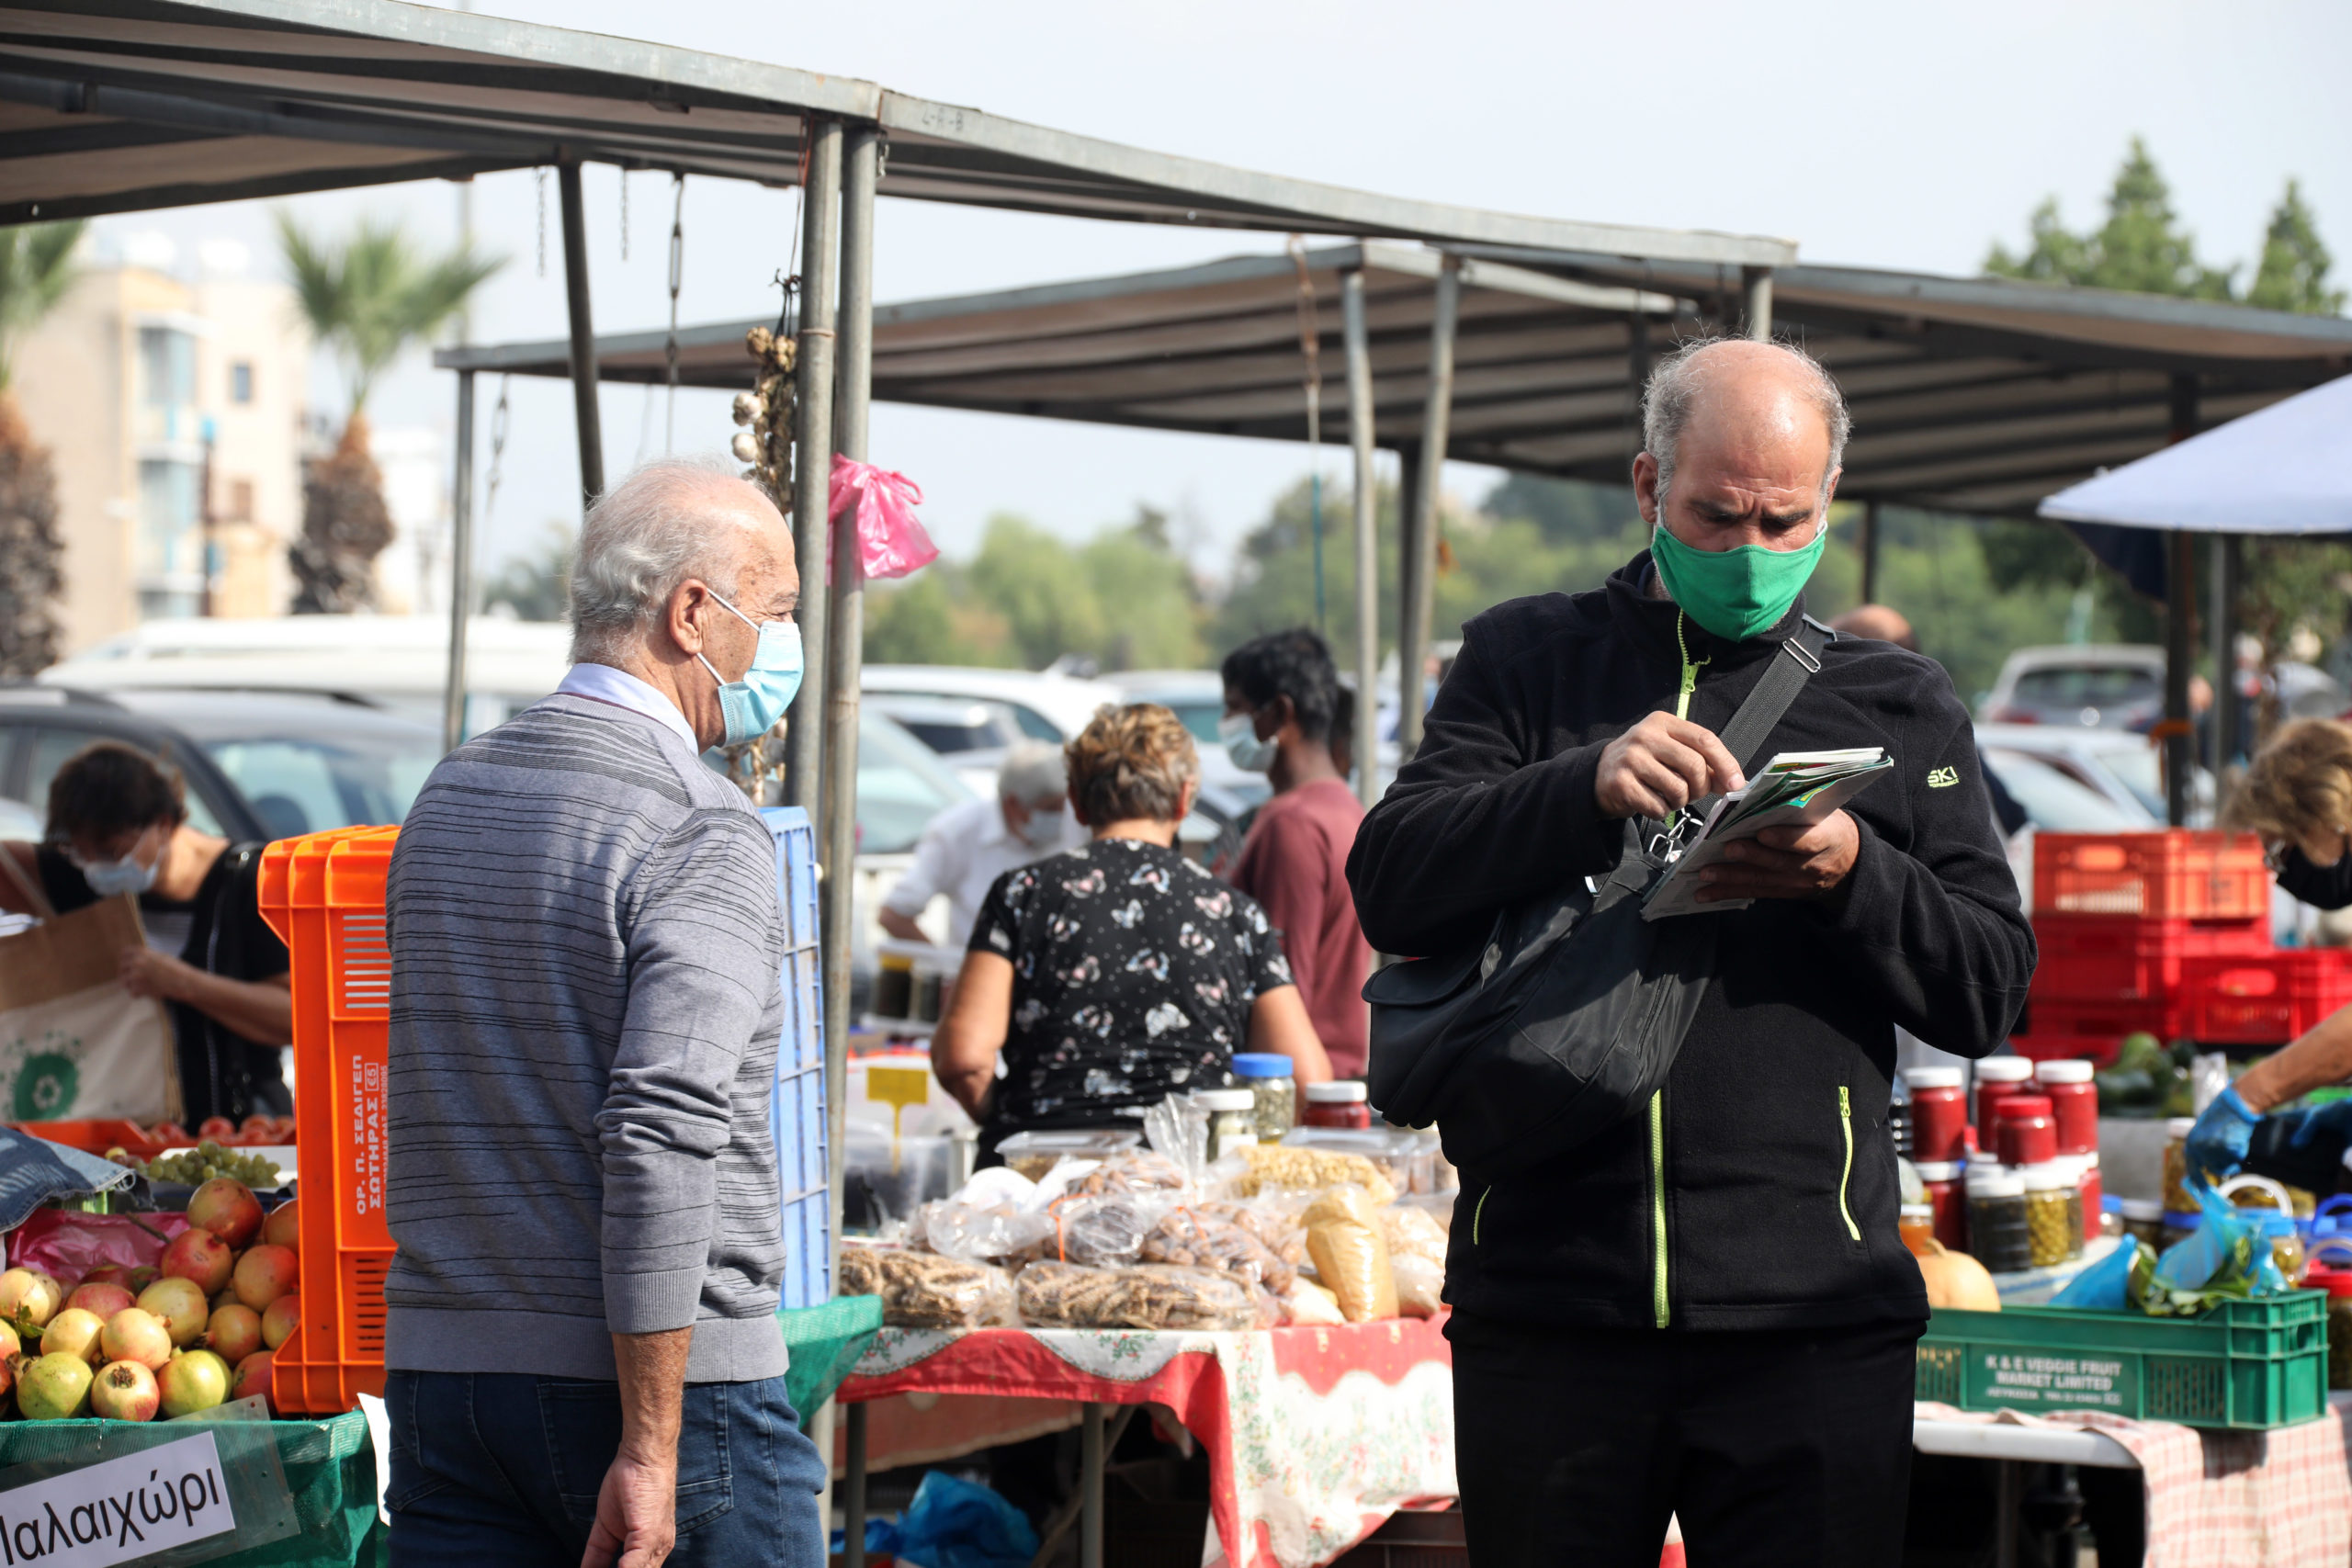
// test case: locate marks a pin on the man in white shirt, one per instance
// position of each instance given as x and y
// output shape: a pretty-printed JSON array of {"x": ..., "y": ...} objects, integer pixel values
[{"x": 969, "y": 845}]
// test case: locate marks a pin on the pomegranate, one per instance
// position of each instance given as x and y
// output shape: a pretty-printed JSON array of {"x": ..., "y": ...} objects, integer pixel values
[
  {"x": 223, "y": 1299},
  {"x": 179, "y": 1305},
  {"x": 228, "y": 1209},
  {"x": 28, "y": 1295},
  {"x": 53, "y": 1388},
  {"x": 199, "y": 1255},
  {"x": 234, "y": 1333},
  {"x": 133, "y": 1334},
  {"x": 263, "y": 1274},
  {"x": 253, "y": 1377},
  {"x": 108, "y": 1274},
  {"x": 104, "y": 1297},
  {"x": 283, "y": 1228},
  {"x": 124, "y": 1391},
  {"x": 278, "y": 1323},
  {"x": 74, "y": 1332},
  {"x": 9, "y": 1345},
  {"x": 143, "y": 1276},
  {"x": 193, "y": 1381}
]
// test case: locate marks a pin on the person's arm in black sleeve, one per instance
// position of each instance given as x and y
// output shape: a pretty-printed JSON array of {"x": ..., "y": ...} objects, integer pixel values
[
  {"x": 2324, "y": 886},
  {"x": 1932, "y": 928},
  {"x": 1475, "y": 822}
]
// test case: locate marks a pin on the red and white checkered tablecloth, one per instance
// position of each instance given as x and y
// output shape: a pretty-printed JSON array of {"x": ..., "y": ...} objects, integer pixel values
[{"x": 2276, "y": 1499}]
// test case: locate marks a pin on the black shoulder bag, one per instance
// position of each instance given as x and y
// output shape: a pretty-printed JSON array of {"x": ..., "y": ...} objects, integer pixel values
[{"x": 1568, "y": 1017}]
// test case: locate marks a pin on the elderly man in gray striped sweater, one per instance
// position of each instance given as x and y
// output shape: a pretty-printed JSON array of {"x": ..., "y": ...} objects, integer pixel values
[{"x": 585, "y": 1363}]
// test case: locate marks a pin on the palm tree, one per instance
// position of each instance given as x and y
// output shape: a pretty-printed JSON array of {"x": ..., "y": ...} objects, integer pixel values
[
  {"x": 36, "y": 269},
  {"x": 368, "y": 297}
]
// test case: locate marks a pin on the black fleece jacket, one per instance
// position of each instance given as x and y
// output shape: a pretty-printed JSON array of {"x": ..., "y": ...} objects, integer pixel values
[{"x": 1759, "y": 1190}]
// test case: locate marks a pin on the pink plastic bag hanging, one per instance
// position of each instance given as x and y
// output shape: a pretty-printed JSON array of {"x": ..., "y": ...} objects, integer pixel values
[{"x": 890, "y": 543}]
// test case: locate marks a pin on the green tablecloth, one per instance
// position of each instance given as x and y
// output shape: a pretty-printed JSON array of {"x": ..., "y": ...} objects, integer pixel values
[{"x": 826, "y": 1342}]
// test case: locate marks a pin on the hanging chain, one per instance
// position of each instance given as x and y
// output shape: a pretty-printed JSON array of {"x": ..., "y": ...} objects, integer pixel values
[
  {"x": 541, "y": 177},
  {"x": 497, "y": 449},
  {"x": 677, "y": 279}
]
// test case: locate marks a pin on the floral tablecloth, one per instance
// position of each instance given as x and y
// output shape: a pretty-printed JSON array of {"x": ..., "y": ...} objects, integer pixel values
[{"x": 1315, "y": 1436}]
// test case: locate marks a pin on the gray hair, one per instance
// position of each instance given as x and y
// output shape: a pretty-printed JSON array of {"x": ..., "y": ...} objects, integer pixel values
[
  {"x": 644, "y": 538},
  {"x": 1033, "y": 771},
  {"x": 1674, "y": 387}
]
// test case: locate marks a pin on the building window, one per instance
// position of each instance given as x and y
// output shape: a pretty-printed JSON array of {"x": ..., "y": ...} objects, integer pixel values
[
  {"x": 240, "y": 381},
  {"x": 167, "y": 366},
  {"x": 169, "y": 562}
]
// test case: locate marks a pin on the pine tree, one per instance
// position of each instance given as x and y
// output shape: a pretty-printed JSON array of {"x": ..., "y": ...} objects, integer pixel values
[
  {"x": 2140, "y": 248},
  {"x": 2292, "y": 275}
]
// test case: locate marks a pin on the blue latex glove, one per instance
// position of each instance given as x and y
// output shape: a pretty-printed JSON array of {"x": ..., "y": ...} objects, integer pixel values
[
  {"x": 2217, "y": 1144},
  {"x": 2332, "y": 1121}
]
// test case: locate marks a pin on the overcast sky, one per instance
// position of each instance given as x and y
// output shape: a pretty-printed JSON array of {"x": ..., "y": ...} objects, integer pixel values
[{"x": 1891, "y": 136}]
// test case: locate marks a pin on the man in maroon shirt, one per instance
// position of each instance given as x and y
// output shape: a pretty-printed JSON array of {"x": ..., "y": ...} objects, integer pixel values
[{"x": 1282, "y": 693}]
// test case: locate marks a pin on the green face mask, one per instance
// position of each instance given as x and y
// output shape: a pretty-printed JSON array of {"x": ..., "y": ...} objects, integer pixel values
[{"x": 1738, "y": 593}]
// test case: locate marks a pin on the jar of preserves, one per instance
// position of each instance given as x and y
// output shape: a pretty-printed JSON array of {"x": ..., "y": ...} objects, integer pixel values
[
  {"x": 2178, "y": 1199},
  {"x": 1916, "y": 1224},
  {"x": 2053, "y": 1226},
  {"x": 2082, "y": 1173},
  {"x": 2073, "y": 1104},
  {"x": 1947, "y": 1202},
  {"x": 1996, "y": 1220},
  {"x": 1339, "y": 1104},
  {"x": 2024, "y": 1132},
  {"x": 2143, "y": 1219},
  {"x": 1267, "y": 1075},
  {"x": 1938, "y": 1115},
  {"x": 1997, "y": 1077},
  {"x": 1233, "y": 1119}
]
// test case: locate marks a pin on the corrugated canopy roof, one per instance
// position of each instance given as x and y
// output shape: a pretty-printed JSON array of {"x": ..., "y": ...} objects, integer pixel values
[
  {"x": 113, "y": 106},
  {"x": 1968, "y": 394}
]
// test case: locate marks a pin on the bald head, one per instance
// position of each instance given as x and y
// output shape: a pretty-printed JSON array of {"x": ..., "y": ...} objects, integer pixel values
[
  {"x": 1742, "y": 445},
  {"x": 1880, "y": 622},
  {"x": 673, "y": 521}
]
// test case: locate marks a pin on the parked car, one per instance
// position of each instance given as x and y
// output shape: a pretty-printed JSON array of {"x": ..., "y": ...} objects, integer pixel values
[
  {"x": 2103, "y": 685},
  {"x": 1045, "y": 706},
  {"x": 2123, "y": 768},
  {"x": 1196, "y": 696}
]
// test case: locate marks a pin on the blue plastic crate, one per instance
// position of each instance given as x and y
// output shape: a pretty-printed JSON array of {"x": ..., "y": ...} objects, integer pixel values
[{"x": 797, "y": 1109}]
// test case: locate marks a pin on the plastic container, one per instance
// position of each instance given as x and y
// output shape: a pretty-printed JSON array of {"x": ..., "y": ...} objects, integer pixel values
[
  {"x": 1997, "y": 1236},
  {"x": 1939, "y": 1115},
  {"x": 2074, "y": 1103},
  {"x": 2024, "y": 1132},
  {"x": 1267, "y": 1076},
  {"x": 1409, "y": 1160},
  {"x": 1033, "y": 1155},
  {"x": 2268, "y": 999},
  {"x": 2247, "y": 1364},
  {"x": 797, "y": 1119},
  {"x": 1948, "y": 1201},
  {"x": 2082, "y": 1170},
  {"x": 1997, "y": 1077},
  {"x": 1342, "y": 1104},
  {"x": 324, "y": 895},
  {"x": 2176, "y": 1198},
  {"x": 2174, "y": 874},
  {"x": 1233, "y": 1119},
  {"x": 1916, "y": 1224},
  {"x": 2093, "y": 958}
]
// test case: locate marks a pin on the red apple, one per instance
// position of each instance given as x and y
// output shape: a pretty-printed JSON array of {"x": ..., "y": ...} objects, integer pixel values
[
  {"x": 279, "y": 1323},
  {"x": 284, "y": 1227},
  {"x": 124, "y": 1391},
  {"x": 228, "y": 1209},
  {"x": 103, "y": 1297},
  {"x": 179, "y": 1305},
  {"x": 135, "y": 1335},
  {"x": 263, "y": 1274},
  {"x": 253, "y": 1376},
  {"x": 199, "y": 1256}
]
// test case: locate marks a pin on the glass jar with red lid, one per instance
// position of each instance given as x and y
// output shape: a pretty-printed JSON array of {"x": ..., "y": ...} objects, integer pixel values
[
  {"x": 2024, "y": 1132},
  {"x": 1342, "y": 1103},
  {"x": 1997, "y": 1077},
  {"x": 2073, "y": 1104},
  {"x": 1950, "y": 1202},
  {"x": 1938, "y": 1115}
]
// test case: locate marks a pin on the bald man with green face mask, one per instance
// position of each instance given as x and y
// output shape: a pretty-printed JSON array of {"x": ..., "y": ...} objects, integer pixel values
[{"x": 1706, "y": 1310}]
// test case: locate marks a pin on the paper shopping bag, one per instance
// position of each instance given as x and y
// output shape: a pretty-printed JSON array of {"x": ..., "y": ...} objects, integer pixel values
[{"x": 74, "y": 1044}]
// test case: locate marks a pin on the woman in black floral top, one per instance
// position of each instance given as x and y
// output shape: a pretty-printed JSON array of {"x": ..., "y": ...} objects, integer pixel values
[{"x": 1113, "y": 975}]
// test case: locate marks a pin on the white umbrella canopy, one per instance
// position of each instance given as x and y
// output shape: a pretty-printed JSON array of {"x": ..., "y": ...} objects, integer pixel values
[{"x": 2285, "y": 469}]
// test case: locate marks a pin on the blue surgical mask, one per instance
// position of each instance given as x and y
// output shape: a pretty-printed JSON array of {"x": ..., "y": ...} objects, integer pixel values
[
  {"x": 109, "y": 878},
  {"x": 1239, "y": 734},
  {"x": 752, "y": 704},
  {"x": 1042, "y": 831}
]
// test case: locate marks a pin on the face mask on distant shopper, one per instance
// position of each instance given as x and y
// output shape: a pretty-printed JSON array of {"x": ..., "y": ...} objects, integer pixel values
[
  {"x": 110, "y": 877},
  {"x": 1042, "y": 831},
  {"x": 1239, "y": 734},
  {"x": 1734, "y": 594},
  {"x": 752, "y": 704}
]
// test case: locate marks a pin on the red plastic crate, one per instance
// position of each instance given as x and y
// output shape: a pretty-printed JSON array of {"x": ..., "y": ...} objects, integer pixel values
[
  {"x": 2174, "y": 874},
  {"x": 2095, "y": 1029},
  {"x": 2089, "y": 958},
  {"x": 2265, "y": 1000},
  {"x": 324, "y": 895}
]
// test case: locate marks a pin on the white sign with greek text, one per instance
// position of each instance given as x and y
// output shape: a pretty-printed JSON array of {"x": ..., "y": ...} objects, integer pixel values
[{"x": 120, "y": 1510}]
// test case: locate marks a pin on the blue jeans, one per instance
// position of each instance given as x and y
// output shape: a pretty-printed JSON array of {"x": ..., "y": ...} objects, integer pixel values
[{"x": 501, "y": 1470}]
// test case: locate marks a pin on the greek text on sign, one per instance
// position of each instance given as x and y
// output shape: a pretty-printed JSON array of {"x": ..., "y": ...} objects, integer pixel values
[{"x": 120, "y": 1510}]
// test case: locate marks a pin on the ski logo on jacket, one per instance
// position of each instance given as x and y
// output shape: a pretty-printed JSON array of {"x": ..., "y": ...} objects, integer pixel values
[{"x": 1942, "y": 778}]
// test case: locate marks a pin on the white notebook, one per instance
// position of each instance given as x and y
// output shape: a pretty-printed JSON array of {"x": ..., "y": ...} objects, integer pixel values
[{"x": 1795, "y": 787}]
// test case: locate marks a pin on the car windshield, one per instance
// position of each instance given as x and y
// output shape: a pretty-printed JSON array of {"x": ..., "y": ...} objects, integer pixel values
[
  {"x": 2086, "y": 686},
  {"x": 901, "y": 785},
  {"x": 303, "y": 786},
  {"x": 2052, "y": 802},
  {"x": 2140, "y": 767},
  {"x": 1200, "y": 715}
]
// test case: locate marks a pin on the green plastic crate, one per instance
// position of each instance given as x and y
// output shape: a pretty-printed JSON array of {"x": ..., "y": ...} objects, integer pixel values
[{"x": 2250, "y": 1365}]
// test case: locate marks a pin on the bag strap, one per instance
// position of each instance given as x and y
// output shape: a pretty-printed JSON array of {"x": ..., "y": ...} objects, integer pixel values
[
  {"x": 31, "y": 888},
  {"x": 1799, "y": 661}
]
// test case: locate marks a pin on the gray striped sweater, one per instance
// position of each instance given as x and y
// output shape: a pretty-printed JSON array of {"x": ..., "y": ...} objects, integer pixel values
[{"x": 585, "y": 938}]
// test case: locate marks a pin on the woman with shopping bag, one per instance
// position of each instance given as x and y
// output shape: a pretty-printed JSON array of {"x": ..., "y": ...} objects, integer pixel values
[{"x": 118, "y": 830}]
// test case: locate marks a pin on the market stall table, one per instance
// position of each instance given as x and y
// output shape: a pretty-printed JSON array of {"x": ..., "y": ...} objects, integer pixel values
[{"x": 1315, "y": 1436}]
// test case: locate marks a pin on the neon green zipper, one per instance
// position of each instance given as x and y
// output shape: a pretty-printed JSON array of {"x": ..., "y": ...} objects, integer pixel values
[
  {"x": 1479, "y": 1213},
  {"x": 1657, "y": 1205},
  {"x": 1682, "y": 693},
  {"x": 1846, "y": 1126}
]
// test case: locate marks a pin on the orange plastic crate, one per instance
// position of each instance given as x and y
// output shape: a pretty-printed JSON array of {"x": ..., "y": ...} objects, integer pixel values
[
  {"x": 324, "y": 895},
  {"x": 2175, "y": 873}
]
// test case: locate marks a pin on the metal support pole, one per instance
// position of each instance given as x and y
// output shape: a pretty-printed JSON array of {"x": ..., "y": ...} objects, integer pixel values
[
  {"x": 1869, "y": 552},
  {"x": 853, "y": 1489},
  {"x": 2222, "y": 622},
  {"x": 845, "y": 631},
  {"x": 2180, "y": 602},
  {"x": 2009, "y": 1493},
  {"x": 461, "y": 569},
  {"x": 1756, "y": 282},
  {"x": 584, "y": 333},
  {"x": 1090, "y": 1478},
  {"x": 1360, "y": 432},
  {"x": 1425, "y": 485},
  {"x": 812, "y": 449},
  {"x": 1410, "y": 526}
]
